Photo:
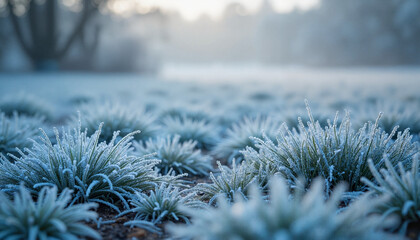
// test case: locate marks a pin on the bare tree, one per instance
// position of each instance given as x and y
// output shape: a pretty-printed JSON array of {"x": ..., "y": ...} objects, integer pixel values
[{"x": 37, "y": 27}]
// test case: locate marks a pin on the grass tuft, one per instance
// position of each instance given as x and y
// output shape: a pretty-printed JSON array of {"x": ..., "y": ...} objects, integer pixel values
[
  {"x": 205, "y": 134},
  {"x": 287, "y": 216},
  {"x": 96, "y": 172},
  {"x": 402, "y": 186},
  {"x": 163, "y": 204},
  {"x": 116, "y": 117},
  {"x": 336, "y": 152},
  {"x": 227, "y": 183},
  {"x": 181, "y": 157},
  {"x": 16, "y": 132},
  {"x": 238, "y": 137},
  {"x": 49, "y": 217}
]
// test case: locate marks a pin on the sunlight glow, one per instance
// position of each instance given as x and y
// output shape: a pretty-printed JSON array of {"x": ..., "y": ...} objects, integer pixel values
[
  {"x": 193, "y": 9},
  {"x": 289, "y": 5},
  {"x": 122, "y": 7}
]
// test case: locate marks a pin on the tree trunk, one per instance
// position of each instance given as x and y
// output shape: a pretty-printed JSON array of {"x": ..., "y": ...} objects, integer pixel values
[
  {"x": 46, "y": 65},
  {"x": 40, "y": 45}
]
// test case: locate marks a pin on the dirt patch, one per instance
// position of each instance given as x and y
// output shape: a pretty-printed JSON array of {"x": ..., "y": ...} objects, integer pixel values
[{"x": 116, "y": 229}]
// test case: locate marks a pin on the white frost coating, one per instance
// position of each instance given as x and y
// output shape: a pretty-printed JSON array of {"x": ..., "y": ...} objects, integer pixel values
[{"x": 303, "y": 216}]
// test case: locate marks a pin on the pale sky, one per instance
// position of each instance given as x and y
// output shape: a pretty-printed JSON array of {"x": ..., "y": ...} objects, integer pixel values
[{"x": 193, "y": 9}]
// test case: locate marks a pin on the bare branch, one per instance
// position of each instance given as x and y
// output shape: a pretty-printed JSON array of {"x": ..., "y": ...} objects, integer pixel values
[
  {"x": 18, "y": 29},
  {"x": 34, "y": 25},
  {"x": 51, "y": 22},
  {"x": 86, "y": 15}
]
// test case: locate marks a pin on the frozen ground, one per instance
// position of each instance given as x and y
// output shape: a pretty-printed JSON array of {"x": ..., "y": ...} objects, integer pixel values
[
  {"x": 219, "y": 108},
  {"x": 214, "y": 87}
]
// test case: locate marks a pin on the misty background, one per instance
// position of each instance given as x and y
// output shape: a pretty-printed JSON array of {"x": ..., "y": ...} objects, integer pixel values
[{"x": 113, "y": 36}]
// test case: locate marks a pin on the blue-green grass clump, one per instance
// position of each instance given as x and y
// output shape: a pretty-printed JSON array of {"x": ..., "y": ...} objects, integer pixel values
[
  {"x": 238, "y": 137},
  {"x": 96, "y": 172},
  {"x": 49, "y": 217},
  {"x": 161, "y": 205},
  {"x": 402, "y": 114},
  {"x": 16, "y": 132},
  {"x": 180, "y": 157},
  {"x": 179, "y": 112},
  {"x": 336, "y": 152},
  {"x": 301, "y": 215},
  {"x": 116, "y": 117},
  {"x": 227, "y": 183},
  {"x": 25, "y": 105},
  {"x": 403, "y": 187},
  {"x": 205, "y": 134}
]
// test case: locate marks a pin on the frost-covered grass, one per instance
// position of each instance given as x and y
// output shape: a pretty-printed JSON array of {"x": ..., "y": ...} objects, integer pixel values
[
  {"x": 227, "y": 183},
  {"x": 181, "y": 157},
  {"x": 336, "y": 152},
  {"x": 205, "y": 134},
  {"x": 116, "y": 117},
  {"x": 322, "y": 116},
  {"x": 96, "y": 172},
  {"x": 116, "y": 175},
  {"x": 16, "y": 132},
  {"x": 395, "y": 114},
  {"x": 163, "y": 204},
  {"x": 49, "y": 217},
  {"x": 302, "y": 216},
  {"x": 403, "y": 187},
  {"x": 180, "y": 112},
  {"x": 26, "y": 105},
  {"x": 238, "y": 137}
]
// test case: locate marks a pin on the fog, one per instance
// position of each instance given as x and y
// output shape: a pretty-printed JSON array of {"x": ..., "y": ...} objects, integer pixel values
[{"x": 347, "y": 33}]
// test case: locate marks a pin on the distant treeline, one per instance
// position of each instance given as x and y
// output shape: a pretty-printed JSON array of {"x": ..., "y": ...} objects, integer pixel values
[
  {"x": 335, "y": 33},
  {"x": 347, "y": 32}
]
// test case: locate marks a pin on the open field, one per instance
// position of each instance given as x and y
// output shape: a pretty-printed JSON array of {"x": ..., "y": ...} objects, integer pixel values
[{"x": 192, "y": 119}]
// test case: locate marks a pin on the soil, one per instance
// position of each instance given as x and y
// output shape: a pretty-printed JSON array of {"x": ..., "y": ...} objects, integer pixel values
[
  {"x": 117, "y": 230},
  {"x": 413, "y": 231}
]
